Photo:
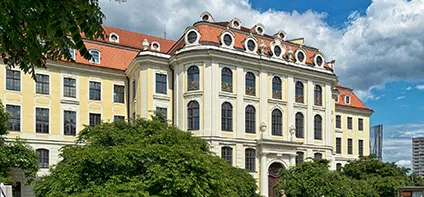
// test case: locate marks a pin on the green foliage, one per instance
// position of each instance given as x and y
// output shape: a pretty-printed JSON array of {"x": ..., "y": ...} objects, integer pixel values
[
  {"x": 15, "y": 154},
  {"x": 32, "y": 31},
  {"x": 148, "y": 158}
]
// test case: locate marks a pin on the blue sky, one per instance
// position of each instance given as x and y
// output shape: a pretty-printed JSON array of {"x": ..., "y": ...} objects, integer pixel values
[{"x": 378, "y": 46}]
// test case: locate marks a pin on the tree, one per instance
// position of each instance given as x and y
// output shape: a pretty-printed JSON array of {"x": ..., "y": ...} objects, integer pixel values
[
  {"x": 33, "y": 31},
  {"x": 16, "y": 154},
  {"x": 147, "y": 158},
  {"x": 384, "y": 177}
]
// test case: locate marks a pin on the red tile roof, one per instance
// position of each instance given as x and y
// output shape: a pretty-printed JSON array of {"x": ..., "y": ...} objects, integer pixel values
[{"x": 355, "y": 102}]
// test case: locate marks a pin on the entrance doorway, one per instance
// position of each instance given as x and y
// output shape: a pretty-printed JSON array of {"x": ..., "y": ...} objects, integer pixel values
[{"x": 273, "y": 177}]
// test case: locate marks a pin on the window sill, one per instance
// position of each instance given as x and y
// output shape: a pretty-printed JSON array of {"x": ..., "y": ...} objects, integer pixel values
[
  {"x": 227, "y": 94},
  {"x": 339, "y": 130},
  {"x": 277, "y": 101},
  {"x": 319, "y": 108},
  {"x": 71, "y": 101},
  {"x": 193, "y": 93},
  {"x": 301, "y": 105},
  {"x": 161, "y": 96},
  {"x": 251, "y": 98}
]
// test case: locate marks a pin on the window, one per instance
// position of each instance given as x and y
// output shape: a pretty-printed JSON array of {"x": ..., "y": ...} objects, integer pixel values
[
  {"x": 337, "y": 98},
  {"x": 14, "y": 112},
  {"x": 276, "y": 88},
  {"x": 251, "y": 45},
  {"x": 191, "y": 37},
  {"x": 41, "y": 120},
  {"x": 317, "y": 127},
  {"x": 134, "y": 89},
  {"x": 299, "y": 125},
  {"x": 227, "y": 154},
  {"x": 299, "y": 92},
  {"x": 43, "y": 158},
  {"x": 347, "y": 99},
  {"x": 70, "y": 124},
  {"x": 250, "y": 84},
  {"x": 319, "y": 60},
  {"x": 160, "y": 83},
  {"x": 162, "y": 111},
  {"x": 13, "y": 80},
  {"x": 118, "y": 118},
  {"x": 339, "y": 167},
  {"x": 250, "y": 159},
  {"x": 42, "y": 84},
  {"x": 118, "y": 94},
  {"x": 16, "y": 189},
  {"x": 277, "y": 51},
  {"x": 226, "y": 80},
  {"x": 338, "y": 122},
  {"x": 349, "y": 122},
  {"x": 95, "y": 90},
  {"x": 318, "y": 156},
  {"x": 193, "y": 115},
  {"x": 338, "y": 145},
  {"x": 318, "y": 95},
  {"x": 349, "y": 146},
  {"x": 361, "y": 147},
  {"x": 95, "y": 56},
  {"x": 360, "y": 124},
  {"x": 277, "y": 122},
  {"x": 300, "y": 56},
  {"x": 95, "y": 119},
  {"x": 228, "y": 40},
  {"x": 226, "y": 117},
  {"x": 69, "y": 88},
  {"x": 299, "y": 158},
  {"x": 250, "y": 118},
  {"x": 193, "y": 78}
]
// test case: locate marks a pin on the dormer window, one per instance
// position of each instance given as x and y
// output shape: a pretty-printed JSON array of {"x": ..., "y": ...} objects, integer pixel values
[
  {"x": 95, "y": 56},
  {"x": 277, "y": 51},
  {"x": 227, "y": 39},
  {"x": 337, "y": 99},
  {"x": 155, "y": 46},
  {"x": 259, "y": 29},
  {"x": 113, "y": 37},
  {"x": 300, "y": 56},
  {"x": 192, "y": 37},
  {"x": 347, "y": 99},
  {"x": 319, "y": 61},
  {"x": 206, "y": 16},
  {"x": 235, "y": 23},
  {"x": 281, "y": 35}
]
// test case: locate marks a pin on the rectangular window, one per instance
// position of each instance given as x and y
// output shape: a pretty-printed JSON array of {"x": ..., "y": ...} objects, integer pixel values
[
  {"x": 14, "y": 112},
  {"x": 13, "y": 80},
  {"x": 133, "y": 89},
  {"x": 42, "y": 84},
  {"x": 338, "y": 122},
  {"x": 162, "y": 111},
  {"x": 118, "y": 118},
  {"x": 160, "y": 83},
  {"x": 338, "y": 145},
  {"x": 360, "y": 124},
  {"x": 349, "y": 122},
  {"x": 95, "y": 119},
  {"x": 349, "y": 146},
  {"x": 70, "y": 123},
  {"x": 95, "y": 90},
  {"x": 361, "y": 147},
  {"x": 118, "y": 94},
  {"x": 69, "y": 88},
  {"x": 42, "y": 120}
]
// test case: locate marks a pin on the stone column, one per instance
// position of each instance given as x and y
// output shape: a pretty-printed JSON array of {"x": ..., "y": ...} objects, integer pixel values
[
  {"x": 292, "y": 160},
  {"x": 263, "y": 176}
]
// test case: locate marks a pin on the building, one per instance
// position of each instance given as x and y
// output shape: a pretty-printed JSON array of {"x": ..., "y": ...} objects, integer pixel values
[
  {"x": 261, "y": 101},
  {"x": 418, "y": 155}
]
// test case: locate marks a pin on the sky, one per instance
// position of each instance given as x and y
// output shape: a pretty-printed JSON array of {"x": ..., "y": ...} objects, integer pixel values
[{"x": 378, "y": 46}]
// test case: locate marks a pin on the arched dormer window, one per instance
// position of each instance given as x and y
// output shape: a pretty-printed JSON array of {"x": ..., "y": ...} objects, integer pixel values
[
  {"x": 319, "y": 60},
  {"x": 114, "y": 37},
  {"x": 226, "y": 80},
  {"x": 300, "y": 125},
  {"x": 227, "y": 39},
  {"x": 276, "y": 88},
  {"x": 300, "y": 56},
  {"x": 193, "y": 78},
  {"x": 250, "y": 84},
  {"x": 317, "y": 127},
  {"x": 318, "y": 95},
  {"x": 193, "y": 115},
  {"x": 299, "y": 92},
  {"x": 192, "y": 36},
  {"x": 95, "y": 56},
  {"x": 250, "y": 44}
]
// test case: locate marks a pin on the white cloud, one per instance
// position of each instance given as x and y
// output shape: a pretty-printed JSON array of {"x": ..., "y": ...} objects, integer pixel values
[
  {"x": 384, "y": 44},
  {"x": 420, "y": 87},
  {"x": 404, "y": 163},
  {"x": 409, "y": 88},
  {"x": 400, "y": 97}
]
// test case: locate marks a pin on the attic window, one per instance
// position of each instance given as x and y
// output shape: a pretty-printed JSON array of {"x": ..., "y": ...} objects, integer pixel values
[
  {"x": 277, "y": 51},
  {"x": 205, "y": 17},
  {"x": 251, "y": 45},
  {"x": 260, "y": 30},
  {"x": 282, "y": 36},
  {"x": 228, "y": 39},
  {"x": 155, "y": 46},
  {"x": 347, "y": 99},
  {"x": 113, "y": 37},
  {"x": 319, "y": 61},
  {"x": 192, "y": 37},
  {"x": 300, "y": 56},
  {"x": 236, "y": 23}
]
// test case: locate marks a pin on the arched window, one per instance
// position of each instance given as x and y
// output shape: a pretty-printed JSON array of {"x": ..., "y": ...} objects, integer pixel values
[
  {"x": 250, "y": 159},
  {"x": 193, "y": 115},
  {"x": 95, "y": 56},
  {"x": 339, "y": 167},
  {"x": 227, "y": 154},
  {"x": 250, "y": 119},
  {"x": 43, "y": 158},
  {"x": 299, "y": 125},
  {"x": 276, "y": 88},
  {"x": 318, "y": 95},
  {"x": 299, "y": 158},
  {"x": 250, "y": 84},
  {"x": 193, "y": 78},
  {"x": 299, "y": 92},
  {"x": 317, "y": 127},
  {"x": 226, "y": 80},
  {"x": 227, "y": 117},
  {"x": 318, "y": 156},
  {"x": 277, "y": 122}
]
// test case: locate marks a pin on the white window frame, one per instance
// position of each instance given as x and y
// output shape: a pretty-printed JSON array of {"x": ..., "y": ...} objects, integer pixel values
[
  {"x": 196, "y": 42},
  {"x": 100, "y": 55}
]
